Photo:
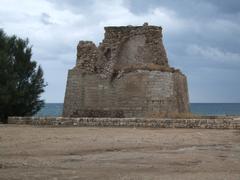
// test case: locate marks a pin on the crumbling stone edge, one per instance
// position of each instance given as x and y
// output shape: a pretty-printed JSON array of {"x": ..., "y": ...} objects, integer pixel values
[{"x": 218, "y": 123}]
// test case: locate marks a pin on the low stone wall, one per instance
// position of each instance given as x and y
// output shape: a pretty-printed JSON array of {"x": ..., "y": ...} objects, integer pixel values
[{"x": 218, "y": 123}]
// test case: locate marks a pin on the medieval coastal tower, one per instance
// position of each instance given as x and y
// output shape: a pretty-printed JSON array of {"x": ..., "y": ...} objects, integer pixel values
[{"x": 127, "y": 75}]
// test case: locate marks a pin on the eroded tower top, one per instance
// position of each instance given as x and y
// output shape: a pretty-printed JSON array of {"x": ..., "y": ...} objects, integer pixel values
[{"x": 123, "y": 47}]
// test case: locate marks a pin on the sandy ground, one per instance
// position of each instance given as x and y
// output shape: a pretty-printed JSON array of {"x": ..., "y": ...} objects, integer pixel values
[{"x": 28, "y": 152}]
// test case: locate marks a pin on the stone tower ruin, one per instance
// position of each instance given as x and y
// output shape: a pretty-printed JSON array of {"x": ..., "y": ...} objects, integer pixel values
[{"x": 127, "y": 75}]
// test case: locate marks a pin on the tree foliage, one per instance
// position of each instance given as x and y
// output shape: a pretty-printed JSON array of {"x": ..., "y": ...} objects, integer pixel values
[{"x": 21, "y": 80}]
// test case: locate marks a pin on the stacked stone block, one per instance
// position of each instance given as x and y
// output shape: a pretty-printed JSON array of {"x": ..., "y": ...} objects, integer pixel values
[{"x": 201, "y": 123}]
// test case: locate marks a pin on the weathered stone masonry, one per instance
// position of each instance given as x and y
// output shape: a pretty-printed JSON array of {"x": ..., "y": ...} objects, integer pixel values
[
  {"x": 200, "y": 123},
  {"x": 126, "y": 76}
]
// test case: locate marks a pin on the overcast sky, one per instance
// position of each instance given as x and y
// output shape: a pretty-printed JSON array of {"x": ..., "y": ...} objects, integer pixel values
[{"x": 202, "y": 37}]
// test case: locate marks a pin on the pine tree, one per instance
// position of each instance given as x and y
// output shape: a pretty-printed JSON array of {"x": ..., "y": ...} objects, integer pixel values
[{"x": 21, "y": 80}]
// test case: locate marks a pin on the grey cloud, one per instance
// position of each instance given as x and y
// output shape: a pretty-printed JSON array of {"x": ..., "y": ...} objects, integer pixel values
[
  {"x": 230, "y": 6},
  {"x": 45, "y": 19},
  {"x": 187, "y": 7},
  {"x": 76, "y": 6}
]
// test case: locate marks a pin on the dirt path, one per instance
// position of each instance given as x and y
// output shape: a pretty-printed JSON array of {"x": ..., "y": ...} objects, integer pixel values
[{"x": 118, "y": 153}]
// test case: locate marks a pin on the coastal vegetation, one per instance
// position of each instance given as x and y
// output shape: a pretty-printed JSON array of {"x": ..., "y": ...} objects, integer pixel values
[{"x": 21, "y": 79}]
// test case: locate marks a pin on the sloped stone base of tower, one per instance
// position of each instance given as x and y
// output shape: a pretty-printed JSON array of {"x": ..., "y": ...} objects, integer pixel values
[{"x": 139, "y": 93}]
